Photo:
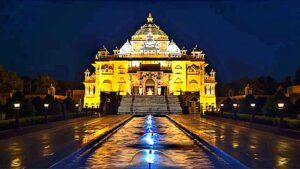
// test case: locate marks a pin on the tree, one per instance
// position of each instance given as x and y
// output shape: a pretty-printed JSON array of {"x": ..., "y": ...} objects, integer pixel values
[
  {"x": 297, "y": 76},
  {"x": 27, "y": 109},
  {"x": 9, "y": 81},
  {"x": 38, "y": 104},
  {"x": 228, "y": 105},
  {"x": 271, "y": 109},
  {"x": 54, "y": 105},
  {"x": 18, "y": 97},
  {"x": 42, "y": 83},
  {"x": 70, "y": 105},
  {"x": 245, "y": 106}
]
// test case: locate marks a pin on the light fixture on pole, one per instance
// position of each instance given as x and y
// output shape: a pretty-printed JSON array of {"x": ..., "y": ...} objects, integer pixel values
[
  {"x": 221, "y": 109},
  {"x": 281, "y": 107},
  {"x": 92, "y": 108},
  {"x": 253, "y": 105},
  {"x": 46, "y": 106},
  {"x": 235, "y": 106},
  {"x": 17, "y": 107},
  {"x": 86, "y": 108}
]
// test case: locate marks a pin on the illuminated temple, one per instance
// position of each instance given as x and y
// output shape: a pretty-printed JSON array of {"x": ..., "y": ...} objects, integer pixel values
[{"x": 150, "y": 64}]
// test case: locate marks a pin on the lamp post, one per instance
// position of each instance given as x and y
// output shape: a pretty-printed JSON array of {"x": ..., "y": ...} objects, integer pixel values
[
  {"x": 98, "y": 111},
  {"x": 253, "y": 105},
  {"x": 281, "y": 107},
  {"x": 17, "y": 107},
  {"x": 46, "y": 106},
  {"x": 86, "y": 108},
  {"x": 221, "y": 109},
  {"x": 92, "y": 108},
  {"x": 77, "y": 107},
  {"x": 235, "y": 105}
]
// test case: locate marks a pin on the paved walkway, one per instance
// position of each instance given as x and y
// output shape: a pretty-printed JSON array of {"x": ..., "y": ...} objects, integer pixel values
[
  {"x": 254, "y": 148},
  {"x": 41, "y": 148}
]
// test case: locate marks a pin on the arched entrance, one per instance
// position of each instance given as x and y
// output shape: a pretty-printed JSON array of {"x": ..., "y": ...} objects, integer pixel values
[{"x": 150, "y": 87}]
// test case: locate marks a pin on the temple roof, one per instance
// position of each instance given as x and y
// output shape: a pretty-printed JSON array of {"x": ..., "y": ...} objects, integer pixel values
[{"x": 150, "y": 27}]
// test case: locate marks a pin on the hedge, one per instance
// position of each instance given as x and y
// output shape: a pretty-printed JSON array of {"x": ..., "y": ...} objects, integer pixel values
[
  {"x": 288, "y": 122},
  {"x": 27, "y": 121}
]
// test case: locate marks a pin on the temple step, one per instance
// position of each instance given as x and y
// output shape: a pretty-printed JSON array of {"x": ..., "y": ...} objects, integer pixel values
[{"x": 149, "y": 105}]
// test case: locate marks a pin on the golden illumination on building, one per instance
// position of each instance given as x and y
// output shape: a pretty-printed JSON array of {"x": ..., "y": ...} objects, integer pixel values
[{"x": 150, "y": 64}]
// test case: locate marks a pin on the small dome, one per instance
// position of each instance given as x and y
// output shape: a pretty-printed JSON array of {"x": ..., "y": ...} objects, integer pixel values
[
  {"x": 126, "y": 48},
  {"x": 173, "y": 48}
]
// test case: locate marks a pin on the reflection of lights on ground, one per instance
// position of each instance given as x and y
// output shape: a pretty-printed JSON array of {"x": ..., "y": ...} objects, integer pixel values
[
  {"x": 150, "y": 156},
  {"x": 16, "y": 162},
  {"x": 150, "y": 140},
  {"x": 93, "y": 135},
  {"x": 235, "y": 145},
  {"x": 281, "y": 161},
  {"x": 252, "y": 147}
]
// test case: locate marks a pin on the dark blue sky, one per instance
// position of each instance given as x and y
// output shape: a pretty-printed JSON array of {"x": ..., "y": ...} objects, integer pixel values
[{"x": 239, "y": 38}]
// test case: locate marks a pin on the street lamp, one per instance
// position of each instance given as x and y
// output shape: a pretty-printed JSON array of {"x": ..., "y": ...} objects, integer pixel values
[
  {"x": 86, "y": 108},
  {"x": 46, "y": 105},
  {"x": 281, "y": 107},
  {"x": 98, "y": 110},
  {"x": 235, "y": 106},
  {"x": 92, "y": 108},
  {"x": 77, "y": 109},
  {"x": 253, "y": 105},
  {"x": 221, "y": 109},
  {"x": 17, "y": 107}
]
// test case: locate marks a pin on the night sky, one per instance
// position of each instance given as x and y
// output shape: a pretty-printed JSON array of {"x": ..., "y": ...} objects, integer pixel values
[{"x": 61, "y": 38}]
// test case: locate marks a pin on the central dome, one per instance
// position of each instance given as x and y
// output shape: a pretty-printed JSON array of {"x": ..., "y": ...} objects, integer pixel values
[{"x": 147, "y": 28}]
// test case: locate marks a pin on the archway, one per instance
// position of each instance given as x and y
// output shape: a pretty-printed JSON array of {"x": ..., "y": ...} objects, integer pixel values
[{"x": 150, "y": 84}]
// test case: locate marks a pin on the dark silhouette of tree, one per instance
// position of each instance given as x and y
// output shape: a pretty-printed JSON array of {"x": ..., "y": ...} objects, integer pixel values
[
  {"x": 228, "y": 105},
  {"x": 245, "y": 106},
  {"x": 9, "y": 81},
  {"x": 54, "y": 105},
  {"x": 27, "y": 109},
  {"x": 38, "y": 104},
  {"x": 271, "y": 108},
  {"x": 42, "y": 83},
  {"x": 70, "y": 105},
  {"x": 18, "y": 97}
]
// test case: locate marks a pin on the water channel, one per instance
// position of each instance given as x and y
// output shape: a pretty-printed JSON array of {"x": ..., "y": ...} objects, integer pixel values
[{"x": 149, "y": 142}]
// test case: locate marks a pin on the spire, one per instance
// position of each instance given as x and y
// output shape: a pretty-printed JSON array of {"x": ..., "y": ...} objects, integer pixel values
[{"x": 149, "y": 19}]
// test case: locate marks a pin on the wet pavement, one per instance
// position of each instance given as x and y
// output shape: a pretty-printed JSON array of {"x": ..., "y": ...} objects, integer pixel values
[
  {"x": 42, "y": 148},
  {"x": 254, "y": 148},
  {"x": 129, "y": 148}
]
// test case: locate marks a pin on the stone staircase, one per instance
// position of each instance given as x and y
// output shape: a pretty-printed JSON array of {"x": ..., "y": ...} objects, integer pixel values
[{"x": 149, "y": 105}]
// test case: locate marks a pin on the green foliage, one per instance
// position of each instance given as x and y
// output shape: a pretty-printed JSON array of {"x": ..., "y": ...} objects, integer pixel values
[
  {"x": 266, "y": 120},
  {"x": 54, "y": 105},
  {"x": 245, "y": 104},
  {"x": 70, "y": 105},
  {"x": 271, "y": 109},
  {"x": 27, "y": 109},
  {"x": 42, "y": 83},
  {"x": 9, "y": 81},
  {"x": 228, "y": 107},
  {"x": 38, "y": 104},
  {"x": 18, "y": 97}
]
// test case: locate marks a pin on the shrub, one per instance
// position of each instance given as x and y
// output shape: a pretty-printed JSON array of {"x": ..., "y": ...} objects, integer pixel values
[
  {"x": 27, "y": 109},
  {"x": 38, "y": 104},
  {"x": 228, "y": 107},
  {"x": 245, "y": 104},
  {"x": 54, "y": 105},
  {"x": 70, "y": 105}
]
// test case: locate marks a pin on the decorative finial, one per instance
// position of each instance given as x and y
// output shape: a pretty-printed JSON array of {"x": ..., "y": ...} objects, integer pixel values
[{"x": 149, "y": 19}]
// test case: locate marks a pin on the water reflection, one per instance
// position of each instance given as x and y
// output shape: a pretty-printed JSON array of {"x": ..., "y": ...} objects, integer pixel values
[{"x": 129, "y": 148}]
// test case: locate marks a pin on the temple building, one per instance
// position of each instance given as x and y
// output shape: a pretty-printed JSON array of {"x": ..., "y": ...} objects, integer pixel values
[{"x": 150, "y": 63}]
